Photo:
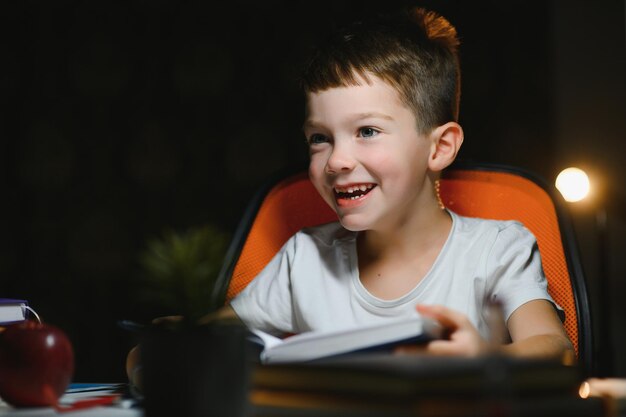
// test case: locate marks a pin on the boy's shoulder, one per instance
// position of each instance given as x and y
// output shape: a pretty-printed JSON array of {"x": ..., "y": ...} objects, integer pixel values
[{"x": 476, "y": 225}]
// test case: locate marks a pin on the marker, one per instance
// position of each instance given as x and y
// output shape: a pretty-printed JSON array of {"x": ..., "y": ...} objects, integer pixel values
[
  {"x": 90, "y": 402},
  {"x": 131, "y": 326}
]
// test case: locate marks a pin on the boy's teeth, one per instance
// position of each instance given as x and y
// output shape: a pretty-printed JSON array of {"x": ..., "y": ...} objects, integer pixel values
[
  {"x": 353, "y": 192},
  {"x": 352, "y": 189}
]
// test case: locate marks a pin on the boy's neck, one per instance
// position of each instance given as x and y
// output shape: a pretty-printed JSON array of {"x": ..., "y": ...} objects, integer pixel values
[{"x": 424, "y": 231}]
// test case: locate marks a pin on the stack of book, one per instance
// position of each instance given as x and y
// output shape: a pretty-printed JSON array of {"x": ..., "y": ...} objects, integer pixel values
[
  {"x": 12, "y": 311},
  {"x": 413, "y": 385}
]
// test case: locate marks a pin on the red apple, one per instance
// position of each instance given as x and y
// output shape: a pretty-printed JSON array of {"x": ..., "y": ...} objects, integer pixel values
[{"x": 36, "y": 364}]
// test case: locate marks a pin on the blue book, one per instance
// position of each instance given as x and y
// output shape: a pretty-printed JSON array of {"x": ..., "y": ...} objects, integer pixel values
[{"x": 12, "y": 310}]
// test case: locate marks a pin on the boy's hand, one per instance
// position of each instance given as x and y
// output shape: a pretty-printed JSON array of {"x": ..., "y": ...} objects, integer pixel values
[
  {"x": 464, "y": 339},
  {"x": 133, "y": 368},
  {"x": 168, "y": 321},
  {"x": 604, "y": 387},
  {"x": 225, "y": 313}
]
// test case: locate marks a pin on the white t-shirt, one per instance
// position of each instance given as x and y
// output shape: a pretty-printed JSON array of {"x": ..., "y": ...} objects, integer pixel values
[{"x": 313, "y": 281}]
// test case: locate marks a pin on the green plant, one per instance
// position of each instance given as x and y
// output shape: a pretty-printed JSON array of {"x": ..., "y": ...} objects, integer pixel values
[{"x": 181, "y": 269}]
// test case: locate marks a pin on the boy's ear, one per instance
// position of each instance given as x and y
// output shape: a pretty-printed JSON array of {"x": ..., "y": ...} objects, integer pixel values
[{"x": 446, "y": 142}]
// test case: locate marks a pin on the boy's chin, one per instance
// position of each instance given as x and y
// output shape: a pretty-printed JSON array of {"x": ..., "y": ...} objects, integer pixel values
[{"x": 352, "y": 226}]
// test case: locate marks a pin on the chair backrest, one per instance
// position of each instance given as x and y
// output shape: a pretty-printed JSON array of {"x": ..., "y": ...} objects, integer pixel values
[{"x": 486, "y": 191}]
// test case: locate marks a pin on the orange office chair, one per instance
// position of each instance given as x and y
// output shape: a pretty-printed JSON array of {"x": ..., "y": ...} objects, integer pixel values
[{"x": 476, "y": 190}]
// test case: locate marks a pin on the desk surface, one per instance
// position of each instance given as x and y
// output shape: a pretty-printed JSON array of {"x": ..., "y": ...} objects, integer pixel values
[
  {"x": 294, "y": 404},
  {"x": 313, "y": 391},
  {"x": 76, "y": 393}
]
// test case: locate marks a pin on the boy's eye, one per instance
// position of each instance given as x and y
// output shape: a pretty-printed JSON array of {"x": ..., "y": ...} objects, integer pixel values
[
  {"x": 317, "y": 138},
  {"x": 367, "y": 132}
]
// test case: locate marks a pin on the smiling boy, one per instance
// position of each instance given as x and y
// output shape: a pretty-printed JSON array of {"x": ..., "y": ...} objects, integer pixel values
[{"x": 381, "y": 124}]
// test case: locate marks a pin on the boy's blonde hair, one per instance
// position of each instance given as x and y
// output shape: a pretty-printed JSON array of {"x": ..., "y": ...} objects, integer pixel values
[{"x": 415, "y": 51}]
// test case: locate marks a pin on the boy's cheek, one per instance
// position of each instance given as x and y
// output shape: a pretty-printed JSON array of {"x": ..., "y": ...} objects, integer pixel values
[{"x": 317, "y": 166}]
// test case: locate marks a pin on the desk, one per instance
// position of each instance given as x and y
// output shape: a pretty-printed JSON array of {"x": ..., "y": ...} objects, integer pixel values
[
  {"x": 267, "y": 404},
  {"x": 394, "y": 387}
]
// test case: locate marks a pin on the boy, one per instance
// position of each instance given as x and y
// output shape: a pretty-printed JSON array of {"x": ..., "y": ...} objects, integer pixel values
[
  {"x": 381, "y": 124},
  {"x": 381, "y": 112}
]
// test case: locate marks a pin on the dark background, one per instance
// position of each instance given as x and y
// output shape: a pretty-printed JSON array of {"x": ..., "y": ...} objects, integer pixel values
[{"x": 120, "y": 120}]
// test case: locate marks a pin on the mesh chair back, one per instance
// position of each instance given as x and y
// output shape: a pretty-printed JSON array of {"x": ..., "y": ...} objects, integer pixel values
[
  {"x": 490, "y": 192},
  {"x": 290, "y": 205}
]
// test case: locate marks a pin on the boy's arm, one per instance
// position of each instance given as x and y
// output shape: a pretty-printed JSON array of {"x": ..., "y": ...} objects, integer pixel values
[
  {"x": 535, "y": 330},
  {"x": 225, "y": 313}
]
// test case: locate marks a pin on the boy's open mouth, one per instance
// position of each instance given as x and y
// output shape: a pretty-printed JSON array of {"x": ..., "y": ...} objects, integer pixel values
[{"x": 353, "y": 192}]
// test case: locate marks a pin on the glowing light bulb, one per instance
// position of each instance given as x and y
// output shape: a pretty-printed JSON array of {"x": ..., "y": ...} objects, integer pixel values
[
  {"x": 573, "y": 183},
  {"x": 584, "y": 390}
]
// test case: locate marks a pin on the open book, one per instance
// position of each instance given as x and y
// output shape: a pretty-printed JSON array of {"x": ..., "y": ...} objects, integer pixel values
[{"x": 373, "y": 337}]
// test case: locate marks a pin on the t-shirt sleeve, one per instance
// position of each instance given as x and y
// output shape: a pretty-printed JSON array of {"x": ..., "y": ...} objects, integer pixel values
[
  {"x": 514, "y": 266},
  {"x": 266, "y": 303}
]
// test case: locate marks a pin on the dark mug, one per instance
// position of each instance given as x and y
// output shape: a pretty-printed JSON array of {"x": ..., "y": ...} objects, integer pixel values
[{"x": 196, "y": 371}]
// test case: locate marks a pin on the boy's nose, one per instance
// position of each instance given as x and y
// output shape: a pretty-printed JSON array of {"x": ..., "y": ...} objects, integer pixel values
[{"x": 340, "y": 160}]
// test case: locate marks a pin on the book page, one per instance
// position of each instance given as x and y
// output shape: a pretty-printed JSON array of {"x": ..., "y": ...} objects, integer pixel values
[
  {"x": 268, "y": 340},
  {"x": 313, "y": 345}
]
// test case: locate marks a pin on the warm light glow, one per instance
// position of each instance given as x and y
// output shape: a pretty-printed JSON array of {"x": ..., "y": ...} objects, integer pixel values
[
  {"x": 584, "y": 390},
  {"x": 573, "y": 183}
]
